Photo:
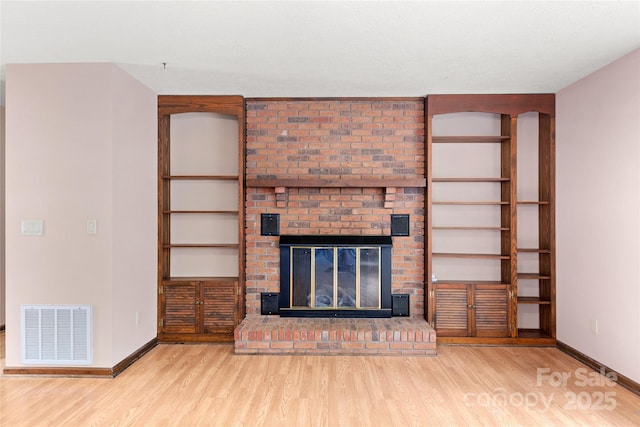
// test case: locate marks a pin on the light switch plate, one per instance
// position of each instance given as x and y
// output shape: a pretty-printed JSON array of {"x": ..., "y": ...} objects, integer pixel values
[
  {"x": 92, "y": 226},
  {"x": 32, "y": 227}
]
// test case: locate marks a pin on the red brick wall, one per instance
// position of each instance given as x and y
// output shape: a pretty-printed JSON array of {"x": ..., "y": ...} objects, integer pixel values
[{"x": 356, "y": 138}]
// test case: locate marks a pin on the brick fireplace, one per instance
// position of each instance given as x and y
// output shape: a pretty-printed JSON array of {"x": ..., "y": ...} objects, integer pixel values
[{"x": 335, "y": 167}]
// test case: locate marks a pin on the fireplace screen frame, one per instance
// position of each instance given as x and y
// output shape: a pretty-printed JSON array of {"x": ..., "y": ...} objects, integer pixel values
[{"x": 291, "y": 242}]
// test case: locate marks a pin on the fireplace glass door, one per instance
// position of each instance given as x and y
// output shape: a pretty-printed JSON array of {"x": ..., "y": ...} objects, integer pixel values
[{"x": 335, "y": 277}]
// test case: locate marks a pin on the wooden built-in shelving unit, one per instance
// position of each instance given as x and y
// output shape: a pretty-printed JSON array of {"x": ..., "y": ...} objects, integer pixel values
[
  {"x": 476, "y": 310},
  {"x": 193, "y": 306}
]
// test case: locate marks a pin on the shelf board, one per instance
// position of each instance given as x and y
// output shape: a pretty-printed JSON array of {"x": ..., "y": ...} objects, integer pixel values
[
  {"x": 532, "y": 300},
  {"x": 534, "y": 250},
  {"x": 469, "y": 282},
  {"x": 473, "y": 179},
  {"x": 344, "y": 182},
  {"x": 202, "y": 177},
  {"x": 469, "y": 139},
  {"x": 201, "y": 245},
  {"x": 532, "y": 333},
  {"x": 200, "y": 279},
  {"x": 472, "y": 228},
  {"x": 467, "y": 255},
  {"x": 534, "y": 276},
  {"x": 200, "y": 212},
  {"x": 470, "y": 203},
  {"x": 532, "y": 202}
]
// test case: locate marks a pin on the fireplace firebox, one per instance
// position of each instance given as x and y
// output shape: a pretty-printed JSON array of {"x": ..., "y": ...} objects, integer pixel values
[{"x": 335, "y": 276}]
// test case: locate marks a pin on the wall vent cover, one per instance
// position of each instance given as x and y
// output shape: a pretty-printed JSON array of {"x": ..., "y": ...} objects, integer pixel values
[{"x": 56, "y": 334}]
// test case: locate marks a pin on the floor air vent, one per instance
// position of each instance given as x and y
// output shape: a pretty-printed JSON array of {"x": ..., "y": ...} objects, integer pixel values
[{"x": 56, "y": 334}]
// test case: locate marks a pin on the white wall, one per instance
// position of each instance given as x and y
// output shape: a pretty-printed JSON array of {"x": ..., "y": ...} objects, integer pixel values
[
  {"x": 598, "y": 215},
  {"x": 2, "y": 205},
  {"x": 135, "y": 211},
  {"x": 81, "y": 144}
]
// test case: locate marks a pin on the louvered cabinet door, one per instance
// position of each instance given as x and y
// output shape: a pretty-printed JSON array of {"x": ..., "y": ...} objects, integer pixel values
[
  {"x": 219, "y": 303},
  {"x": 491, "y": 309},
  {"x": 452, "y": 317},
  {"x": 179, "y": 305}
]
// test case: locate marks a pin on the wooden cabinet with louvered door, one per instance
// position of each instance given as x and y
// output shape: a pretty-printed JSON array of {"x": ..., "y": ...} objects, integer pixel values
[
  {"x": 452, "y": 309},
  {"x": 200, "y": 308},
  {"x": 473, "y": 310},
  {"x": 219, "y": 304},
  {"x": 179, "y": 307}
]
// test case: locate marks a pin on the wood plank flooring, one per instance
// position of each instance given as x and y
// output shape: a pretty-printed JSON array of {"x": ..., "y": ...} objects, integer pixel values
[{"x": 209, "y": 385}]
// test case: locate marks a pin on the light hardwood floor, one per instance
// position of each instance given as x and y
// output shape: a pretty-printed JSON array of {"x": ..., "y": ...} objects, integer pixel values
[{"x": 202, "y": 384}]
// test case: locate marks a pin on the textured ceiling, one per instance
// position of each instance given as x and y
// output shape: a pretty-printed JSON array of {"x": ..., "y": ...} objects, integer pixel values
[{"x": 299, "y": 49}]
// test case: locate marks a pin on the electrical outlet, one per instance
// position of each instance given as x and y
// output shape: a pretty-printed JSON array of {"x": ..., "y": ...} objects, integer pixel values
[
  {"x": 594, "y": 326},
  {"x": 137, "y": 318}
]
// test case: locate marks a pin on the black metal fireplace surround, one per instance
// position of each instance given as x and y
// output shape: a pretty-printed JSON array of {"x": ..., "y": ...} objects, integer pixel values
[{"x": 335, "y": 276}]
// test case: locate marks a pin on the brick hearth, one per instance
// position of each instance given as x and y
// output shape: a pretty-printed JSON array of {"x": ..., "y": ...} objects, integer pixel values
[{"x": 392, "y": 336}]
